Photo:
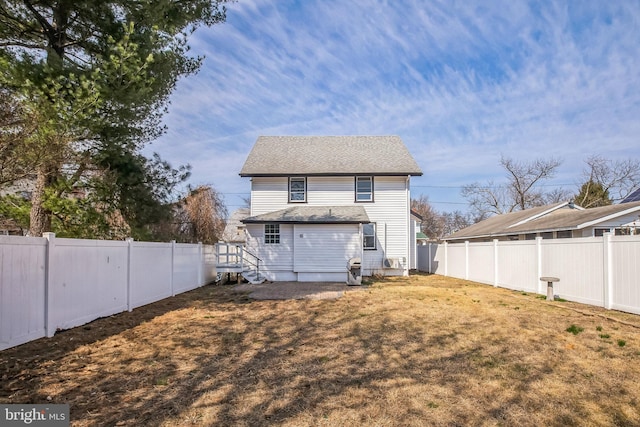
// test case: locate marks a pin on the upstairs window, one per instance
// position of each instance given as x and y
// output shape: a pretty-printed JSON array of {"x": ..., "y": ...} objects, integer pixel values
[
  {"x": 272, "y": 234},
  {"x": 298, "y": 190},
  {"x": 364, "y": 189}
]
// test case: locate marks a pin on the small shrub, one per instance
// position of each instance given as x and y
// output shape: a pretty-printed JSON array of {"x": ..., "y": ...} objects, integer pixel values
[
  {"x": 622, "y": 343},
  {"x": 575, "y": 330},
  {"x": 598, "y": 328},
  {"x": 605, "y": 336}
]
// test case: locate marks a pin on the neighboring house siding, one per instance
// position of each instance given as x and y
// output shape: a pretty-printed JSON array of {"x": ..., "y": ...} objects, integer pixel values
[{"x": 389, "y": 210}]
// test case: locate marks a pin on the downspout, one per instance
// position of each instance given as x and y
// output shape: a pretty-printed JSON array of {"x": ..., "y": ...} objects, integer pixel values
[{"x": 408, "y": 231}]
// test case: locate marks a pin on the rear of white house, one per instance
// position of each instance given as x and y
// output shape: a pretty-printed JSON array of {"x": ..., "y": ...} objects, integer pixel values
[{"x": 318, "y": 202}]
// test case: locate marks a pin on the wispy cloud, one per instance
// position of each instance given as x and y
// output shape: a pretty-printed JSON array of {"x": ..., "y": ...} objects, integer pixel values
[{"x": 461, "y": 84}]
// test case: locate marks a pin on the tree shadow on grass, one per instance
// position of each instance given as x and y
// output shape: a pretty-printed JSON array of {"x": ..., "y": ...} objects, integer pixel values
[{"x": 215, "y": 357}]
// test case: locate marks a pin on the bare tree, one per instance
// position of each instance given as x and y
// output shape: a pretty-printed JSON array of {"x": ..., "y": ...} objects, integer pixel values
[
  {"x": 437, "y": 225},
  {"x": 432, "y": 222},
  {"x": 522, "y": 190},
  {"x": 616, "y": 179},
  {"x": 203, "y": 215}
]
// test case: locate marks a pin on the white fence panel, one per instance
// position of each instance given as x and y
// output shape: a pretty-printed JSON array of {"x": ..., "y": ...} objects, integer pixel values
[
  {"x": 578, "y": 263},
  {"x": 625, "y": 273},
  {"x": 209, "y": 260},
  {"x": 481, "y": 263},
  {"x": 439, "y": 264},
  {"x": 187, "y": 267},
  {"x": 601, "y": 271},
  {"x": 87, "y": 280},
  {"x": 47, "y": 284},
  {"x": 517, "y": 265},
  {"x": 456, "y": 264},
  {"x": 151, "y": 272},
  {"x": 424, "y": 258},
  {"x": 22, "y": 290}
]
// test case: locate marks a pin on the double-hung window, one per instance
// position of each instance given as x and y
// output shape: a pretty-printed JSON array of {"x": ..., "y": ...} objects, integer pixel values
[
  {"x": 297, "y": 189},
  {"x": 364, "y": 189},
  {"x": 272, "y": 234},
  {"x": 369, "y": 236}
]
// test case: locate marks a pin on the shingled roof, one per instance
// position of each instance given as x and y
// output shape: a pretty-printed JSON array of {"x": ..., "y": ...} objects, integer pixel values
[
  {"x": 313, "y": 215},
  {"x": 329, "y": 155},
  {"x": 556, "y": 217}
]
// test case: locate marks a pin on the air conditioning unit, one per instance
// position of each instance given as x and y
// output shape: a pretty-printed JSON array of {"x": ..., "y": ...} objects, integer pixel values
[{"x": 391, "y": 263}]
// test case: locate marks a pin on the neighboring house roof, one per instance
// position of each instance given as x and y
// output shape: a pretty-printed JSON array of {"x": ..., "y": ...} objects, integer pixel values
[
  {"x": 421, "y": 236},
  {"x": 416, "y": 215},
  {"x": 313, "y": 215},
  {"x": 233, "y": 232},
  {"x": 633, "y": 197},
  {"x": 329, "y": 155},
  {"x": 561, "y": 216}
]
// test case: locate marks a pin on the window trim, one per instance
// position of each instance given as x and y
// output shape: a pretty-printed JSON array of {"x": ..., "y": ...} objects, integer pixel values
[
  {"x": 272, "y": 234},
  {"x": 371, "y": 199},
  {"x": 375, "y": 246},
  {"x": 304, "y": 191}
]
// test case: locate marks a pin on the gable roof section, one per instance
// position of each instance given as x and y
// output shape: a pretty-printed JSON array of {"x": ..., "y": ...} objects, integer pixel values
[
  {"x": 313, "y": 215},
  {"x": 498, "y": 224},
  {"x": 329, "y": 155},
  {"x": 633, "y": 197},
  {"x": 562, "y": 216}
]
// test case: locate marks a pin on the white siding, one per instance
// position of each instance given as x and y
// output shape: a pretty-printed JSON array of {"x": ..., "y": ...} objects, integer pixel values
[
  {"x": 268, "y": 194},
  {"x": 275, "y": 257},
  {"x": 325, "y": 248},
  {"x": 390, "y": 212}
]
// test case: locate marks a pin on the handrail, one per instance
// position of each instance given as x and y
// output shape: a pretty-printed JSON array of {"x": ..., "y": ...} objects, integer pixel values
[{"x": 239, "y": 255}]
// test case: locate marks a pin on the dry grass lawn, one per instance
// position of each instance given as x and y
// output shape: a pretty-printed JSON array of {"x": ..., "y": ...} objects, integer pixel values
[{"x": 424, "y": 350}]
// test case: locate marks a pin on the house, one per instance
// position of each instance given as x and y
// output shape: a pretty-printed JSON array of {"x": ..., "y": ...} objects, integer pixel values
[
  {"x": 318, "y": 202},
  {"x": 234, "y": 230},
  {"x": 556, "y": 221},
  {"x": 416, "y": 222}
]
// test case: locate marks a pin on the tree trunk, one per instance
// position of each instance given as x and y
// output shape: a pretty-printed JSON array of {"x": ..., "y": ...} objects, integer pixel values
[{"x": 40, "y": 218}]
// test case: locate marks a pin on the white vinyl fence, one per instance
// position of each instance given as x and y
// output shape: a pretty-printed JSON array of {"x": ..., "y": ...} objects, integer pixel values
[
  {"x": 602, "y": 271},
  {"x": 49, "y": 283}
]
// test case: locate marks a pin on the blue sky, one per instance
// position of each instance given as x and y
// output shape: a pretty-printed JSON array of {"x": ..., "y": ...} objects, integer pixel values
[{"x": 461, "y": 82}]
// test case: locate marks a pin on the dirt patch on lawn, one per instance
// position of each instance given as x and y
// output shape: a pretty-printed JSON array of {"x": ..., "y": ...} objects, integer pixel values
[
  {"x": 423, "y": 350},
  {"x": 296, "y": 290}
]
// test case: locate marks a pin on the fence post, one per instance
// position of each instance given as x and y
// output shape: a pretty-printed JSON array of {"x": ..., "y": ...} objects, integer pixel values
[
  {"x": 129, "y": 272},
  {"x": 49, "y": 327},
  {"x": 495, "y": 262},
  {"x": 200, "y": 264},
  {"x": 540, "y": 284},
  {"x": 607, "y": 271},
  {"x": 429, "y": 268},
  {"x": 466, "y": 260},
  {"x": 173, "y": 262},
  {"x": 446, "y": 264}
]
